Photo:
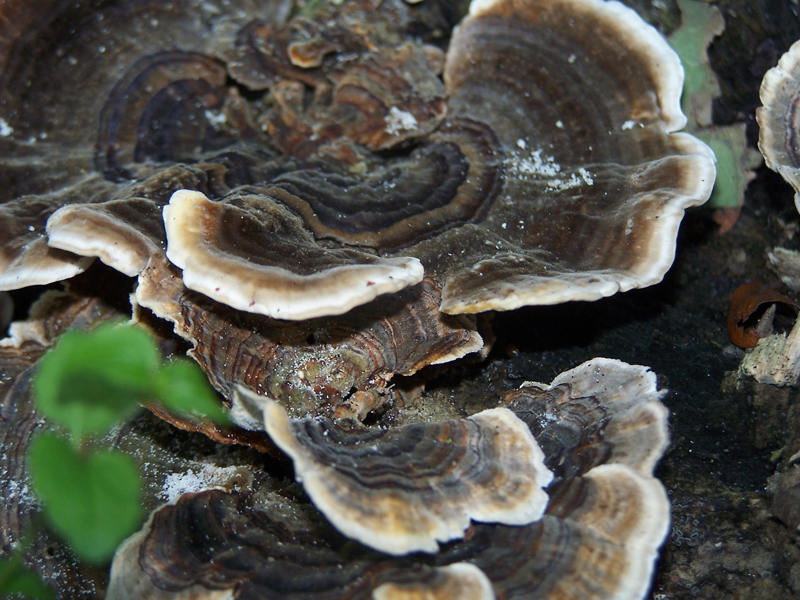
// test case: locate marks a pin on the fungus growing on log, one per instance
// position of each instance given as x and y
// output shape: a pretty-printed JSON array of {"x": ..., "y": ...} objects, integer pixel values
[
  {"x": 534, "y": 161},
  {"x": 311, "y": 366}
]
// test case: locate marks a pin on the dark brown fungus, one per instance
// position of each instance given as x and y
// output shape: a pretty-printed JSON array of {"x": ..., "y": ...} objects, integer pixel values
[
  {"x": 605, "y": 519},
  {"x": 72, "y": 71},
  {"x": 125, "y": 229},
  {"x": 166, "y": 107},
  {"x": 266, "y": 547},
  {"x": 363, "y": 107},
  {"x": 744, "y": 328},
  {"x": 71, "y": 78},
  {"x": 314, "y": 366},
  {"x": 404, "y": 489},
  {"x": 310, "y": 366},
  {"x": 542, "y": 169},
  {"x": 555, "y": 183},
  {"x": 593, "y": 184},
  {"x": 778, "y": 119},
  {"x": 602, "y": 411},
  {"x": 535, "y": 162}
]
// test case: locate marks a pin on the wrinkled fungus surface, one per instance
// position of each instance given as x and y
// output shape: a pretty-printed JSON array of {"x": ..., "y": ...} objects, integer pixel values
[{"x": 300, "y": 168}]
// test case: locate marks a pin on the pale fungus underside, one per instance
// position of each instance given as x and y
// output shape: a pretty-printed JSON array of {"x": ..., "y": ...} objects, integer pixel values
[
  {"x": 779, "y": 120},
  {"x": 316, "y": 203}
]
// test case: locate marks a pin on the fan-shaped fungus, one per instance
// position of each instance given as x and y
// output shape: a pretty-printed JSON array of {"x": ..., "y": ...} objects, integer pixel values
[{"x": 778, "y": 119}]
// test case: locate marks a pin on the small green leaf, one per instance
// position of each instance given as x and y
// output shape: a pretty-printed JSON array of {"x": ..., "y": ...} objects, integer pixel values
[
  {"x": 182, "y": 386},
  {"x": 92, "y": 499},
  {"x": 90, "y": 381},
  {"x": 15, "y": 578}
]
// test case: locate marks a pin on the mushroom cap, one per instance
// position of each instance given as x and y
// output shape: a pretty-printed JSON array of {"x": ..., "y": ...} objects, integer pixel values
[
  {"x": 582, "y": 96},
  {"x": 778, "y": 119},
  {"x": 404, "y": 489},
  {"x": 602, "y": 427}
]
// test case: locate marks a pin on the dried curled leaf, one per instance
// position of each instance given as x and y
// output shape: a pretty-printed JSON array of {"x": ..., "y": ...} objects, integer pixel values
[{"x": 746, "y": 301}]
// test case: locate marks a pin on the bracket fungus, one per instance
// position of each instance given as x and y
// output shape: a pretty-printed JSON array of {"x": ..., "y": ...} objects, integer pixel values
[
  {"x": 560, "y": 183},
  {"x": 404, "y": 489},
  {"x": 224, "y": 252},
  {"x": 544, "y": 168},
  {"x": 778, "y": 120},
  {"x": 602, "y": 428}
]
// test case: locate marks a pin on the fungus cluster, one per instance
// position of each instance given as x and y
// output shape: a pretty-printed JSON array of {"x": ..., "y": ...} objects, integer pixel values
[
  {"x": 601, "y": 426},
  {"x": 319, "y": 203}
]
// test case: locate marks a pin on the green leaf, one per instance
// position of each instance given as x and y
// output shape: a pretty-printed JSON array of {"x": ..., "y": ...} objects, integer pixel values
[
  {"x": 90, "y": 381},
  {"x": 92, "y": 499},
  {"x": 15, "y": 578},
  {"x": 182, "y": 386},
  {"x": 701, "y": 23}
]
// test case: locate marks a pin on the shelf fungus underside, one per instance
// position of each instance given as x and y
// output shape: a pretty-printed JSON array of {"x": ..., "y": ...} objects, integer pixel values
[
  {"x": 779, "y": 119},
  {"x": 602, "y": 428}
]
